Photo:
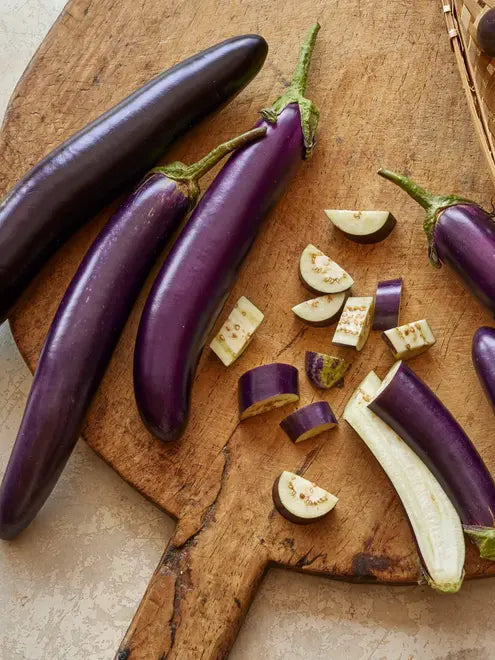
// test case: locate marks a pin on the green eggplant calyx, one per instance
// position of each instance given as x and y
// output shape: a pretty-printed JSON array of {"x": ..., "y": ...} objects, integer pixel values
[
  {"x": 295, "y": 94},
  {"x": 484, "y": 537},
  {"x": 432, "y": 204},
  {"x": 191, "y": 174}
]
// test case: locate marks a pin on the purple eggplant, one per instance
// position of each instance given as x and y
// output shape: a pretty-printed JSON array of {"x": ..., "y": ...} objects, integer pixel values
[
  {"x": 460, "y": 234},
  {"x": 309, "y": 421},
  {"x": 96, "y": 164},
  {"x": 267, "y": 387},
  {"x": 387, "y": 304},
  {"x": 483, "y": 354},
  {"x": 86, "y": 329},
  {"x": 202, "y": 266},
  {"x": 485, "y": 30},
  {"x": 416, "y": 414}
]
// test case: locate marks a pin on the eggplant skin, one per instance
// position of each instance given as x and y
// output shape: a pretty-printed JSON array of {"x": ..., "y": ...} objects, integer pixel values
[
  {"x": 200, "y": 270},
  {"x": 483, "y": 354},
  {"x": 80, "y": 342},
  {"x": 464, "y": 238},
  {"x": 96, "y": 164}
]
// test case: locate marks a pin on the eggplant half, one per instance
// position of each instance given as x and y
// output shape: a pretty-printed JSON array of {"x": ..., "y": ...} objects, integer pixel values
[
  {"x": 320, "y": 274},
  {"x": 301, "y": 501},
  {"x": 321, "y": 311},
  {"x": 363, "y": 226}
]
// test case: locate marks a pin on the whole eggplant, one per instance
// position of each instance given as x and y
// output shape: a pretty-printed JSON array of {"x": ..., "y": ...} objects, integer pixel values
[
  {"x": 201, "y": 268},
  {"x": 96, "y": 164},
  {"x": 86, "y": 329},
  {"x": 417, "y": 415},
  {"x": 460, "y": 234},
  {"x": 483, "y": 354}
]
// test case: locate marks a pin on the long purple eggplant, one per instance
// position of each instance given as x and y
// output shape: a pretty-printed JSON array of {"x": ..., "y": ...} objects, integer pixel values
[
  {"x": 86, "y": 329},
  {"x": 201, "y": 268},
  {"x": 483, "y": 354},
  {"x": 96, "y": 164},
  {"x": 414, "y": 412},
  {"x": 460, "y": 233}
]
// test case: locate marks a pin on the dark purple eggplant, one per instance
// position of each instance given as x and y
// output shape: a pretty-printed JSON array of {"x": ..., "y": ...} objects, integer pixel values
[
  {"x": 485, "y": 31},
  {"x": 416, "y": 414},
  {"x": 483, "y": 354},
  {"x": 267, "y": 387},
  {"x": 86, "y": 328},
  {"x": 309, "y": 421},
  {"x": 201, "y": 268},
  {"x": 460, "y": 234},
  {"x": 387, "y": 304},
  {"x": 96, "y": 164}
]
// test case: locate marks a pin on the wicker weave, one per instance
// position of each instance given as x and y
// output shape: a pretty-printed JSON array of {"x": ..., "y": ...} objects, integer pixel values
[{"x": 477, "y": 70}]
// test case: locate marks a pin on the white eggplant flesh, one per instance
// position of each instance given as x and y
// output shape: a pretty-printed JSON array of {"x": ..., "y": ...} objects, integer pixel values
[
  {"x": 434, "y": 521},
  {"x": 237, "y": 332},
  {"x": 354, "y": 326},
  {"x": 362, "y": 226},
  {"x": 300, "y": 500},
  {"x": 320, "y": 274},
  {"x": 321, "y": 311},
  {"x": 407, "y": 341}
]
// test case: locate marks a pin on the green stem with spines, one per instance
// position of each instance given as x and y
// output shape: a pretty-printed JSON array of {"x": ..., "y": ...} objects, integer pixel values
[
  {"x": 295, "y": 94},
  {"x": 432, "y": 204},
  {"x": 191, "y": 174}
]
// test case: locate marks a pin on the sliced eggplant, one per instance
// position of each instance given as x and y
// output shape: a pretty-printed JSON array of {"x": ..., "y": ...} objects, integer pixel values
[
  {"x": 435, "y": 523},
  {"x": 237, "y": 331},
  {"x": 409, "y": 340},
  {"x": 267, "y": 387},
  {"x": 387, "y": 304},
  {"x": 324, "y": 370},
  {"x": 321, "y": 311},
  {"x": 354, "y": 325},
  {"x": 320, "y": 274},
  {"x": 363, "y": 226},
  {"x": 309, "y": 421},
  {"x": 301, "y": 501}
]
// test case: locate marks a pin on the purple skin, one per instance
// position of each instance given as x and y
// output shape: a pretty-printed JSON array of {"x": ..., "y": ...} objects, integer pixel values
[
  {"x": 303, "y": 420},
  {"x": 387, "y": 304},
  {"x": 483, "y": 354},
  {"x": 200, "y": 270},
  {"x": 415, "y": 413},
  {"x": 460, "y": 233},
  {"x": 86, "y": 329},
  {"x": 485, "y": 33},
  {"x": 96, "y": 164},
  {"x": 265, "y": 382}
]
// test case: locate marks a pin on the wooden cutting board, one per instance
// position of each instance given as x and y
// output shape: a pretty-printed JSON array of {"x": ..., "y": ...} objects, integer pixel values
[{"x": 384, "y": 79}]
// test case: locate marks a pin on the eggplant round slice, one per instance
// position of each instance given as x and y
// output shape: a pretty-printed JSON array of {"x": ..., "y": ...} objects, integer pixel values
[
  {"x": 325, "y": 371},
  {"x": 267, "y": 387},
  {"x": 301, "y": 501},
  {"x": 309, "y": 421},
  {"x": 320, "y": 274},
  {"x": 387, "y": 304},
  {"x": 363, "y": 226},
  {"x": 484, "y": 360},
  {"x": 321, "y": 311}
]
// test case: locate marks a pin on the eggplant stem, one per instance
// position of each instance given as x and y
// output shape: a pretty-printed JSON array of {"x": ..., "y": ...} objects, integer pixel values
[
  {"x": 300, "y": 77},
  {"x": 484, "y": 538}
]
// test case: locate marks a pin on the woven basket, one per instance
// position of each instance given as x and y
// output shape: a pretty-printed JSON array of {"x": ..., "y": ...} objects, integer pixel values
[{"x": 476, "y": 69}]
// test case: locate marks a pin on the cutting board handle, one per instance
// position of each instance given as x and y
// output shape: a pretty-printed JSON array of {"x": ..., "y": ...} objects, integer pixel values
[{"x": 197, "y": 598}]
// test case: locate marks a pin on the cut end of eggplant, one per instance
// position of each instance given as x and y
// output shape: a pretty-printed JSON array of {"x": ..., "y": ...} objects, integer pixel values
[
  {"x": 435, "y": 523},
  {"x": 237, "y": 332},
  {"x": 387, "y": 304},
  {"x": 267, "y": 387},
  {"x": 363, "y": 226},
  {"x": 309, "y": 421},
  {"x": 321, "y": 311},
  {"x": 301, "y": 501},
  {"x": 320, "y": 274},
  {"x": 354, "y": 325},
  {"x": 409, "y": 340},
  {"x": 325, "y": 371}
]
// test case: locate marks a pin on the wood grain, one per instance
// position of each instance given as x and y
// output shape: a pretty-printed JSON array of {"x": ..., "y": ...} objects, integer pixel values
[{"x": 389, "y": 95}]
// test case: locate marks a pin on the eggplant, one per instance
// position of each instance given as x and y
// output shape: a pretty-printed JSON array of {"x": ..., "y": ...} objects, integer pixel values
[
  {"x": 409, "y": 340},
  {"x": 362, "y": 226},
  {"x": 354, "y": 325},
  {"x": 416, "y": 414},
  {"x": 325, "y": 371},
  {"x": 267, "y": 387},
  {"x": 434, "y": 521},
  {"x": 483, "y": 354},
  {"x": 299, "y": 500},
  {"x": 387, "y": 304},
  {"x": 86, "y": 328},
  {"x": 237, "y": 332},
  {"x": 320, "y": 274},
  {"x": 309, "y": 421},
  {"x": 485, "y": 31},
  {"x": 200, "y": 270},
  {"x": 460, "y": 234},
  {"x": 321, "y": 311},
  {"x": 96, "y": 164}
]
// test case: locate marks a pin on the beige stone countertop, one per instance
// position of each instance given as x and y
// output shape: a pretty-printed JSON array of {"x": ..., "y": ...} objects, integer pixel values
[{"x": 71, "y": 583}]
